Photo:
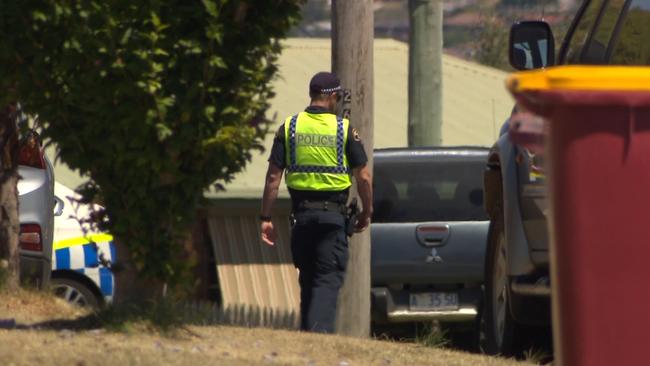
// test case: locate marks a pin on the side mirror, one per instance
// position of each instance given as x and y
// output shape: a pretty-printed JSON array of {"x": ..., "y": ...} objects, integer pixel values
[
  {"x": 532, "y": 45},
  {"x": 58, "y": 206}
]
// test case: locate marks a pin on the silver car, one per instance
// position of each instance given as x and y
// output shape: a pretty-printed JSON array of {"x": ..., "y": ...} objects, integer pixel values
[{"x": 36, "y": 212}]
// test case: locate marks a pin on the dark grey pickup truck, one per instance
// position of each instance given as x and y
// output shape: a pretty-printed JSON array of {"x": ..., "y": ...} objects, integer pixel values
[
  {"x": 429, "y": 235},
  {"x": 518, "y": 285}
]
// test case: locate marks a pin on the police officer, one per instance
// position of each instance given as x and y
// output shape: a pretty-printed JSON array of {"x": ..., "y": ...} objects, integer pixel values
[{"x": 320, "y": 152}]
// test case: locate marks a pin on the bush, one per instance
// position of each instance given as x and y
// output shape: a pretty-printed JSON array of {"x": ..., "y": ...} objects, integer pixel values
[{"x": 152, "y": 100}]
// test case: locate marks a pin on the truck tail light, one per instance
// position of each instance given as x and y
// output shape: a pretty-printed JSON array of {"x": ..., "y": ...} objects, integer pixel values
[{"x": 30, "y": 237}]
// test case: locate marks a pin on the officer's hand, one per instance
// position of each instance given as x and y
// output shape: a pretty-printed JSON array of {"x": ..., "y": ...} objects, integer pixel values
[
  {"x": 269, "y": 235},
  {"x": 363, "y": 220}
]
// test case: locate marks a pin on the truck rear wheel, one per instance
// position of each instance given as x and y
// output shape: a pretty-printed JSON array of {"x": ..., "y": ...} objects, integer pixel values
[{"x": 501, "y": 330}]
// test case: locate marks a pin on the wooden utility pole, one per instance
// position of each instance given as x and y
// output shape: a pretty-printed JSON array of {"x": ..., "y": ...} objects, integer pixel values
[
  {"x": 352, "y": 50},
  {"x": 425, "y": 73}
]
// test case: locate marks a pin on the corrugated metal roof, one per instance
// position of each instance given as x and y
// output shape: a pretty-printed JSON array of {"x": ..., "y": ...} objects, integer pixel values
[
  {"x": 475, "y": 101},
  {"x": 475, "y": 104}
]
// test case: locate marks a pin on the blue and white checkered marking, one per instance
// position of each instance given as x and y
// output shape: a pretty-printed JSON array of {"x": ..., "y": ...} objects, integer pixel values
[{"x": 84, "y": 258}]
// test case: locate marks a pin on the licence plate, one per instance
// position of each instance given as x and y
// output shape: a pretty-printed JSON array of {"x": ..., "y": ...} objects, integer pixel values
[{"x": 434, "y": 301}]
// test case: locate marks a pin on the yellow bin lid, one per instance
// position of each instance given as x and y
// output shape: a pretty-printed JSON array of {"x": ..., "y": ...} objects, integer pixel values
[{"x": 583, "y": 78}]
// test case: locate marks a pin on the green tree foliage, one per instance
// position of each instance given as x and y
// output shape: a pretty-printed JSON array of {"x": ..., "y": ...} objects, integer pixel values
[
  {"x": 632, "y": 46},
  {"x": 154, "y": 100},
  {"x": 491, "y": 42}
]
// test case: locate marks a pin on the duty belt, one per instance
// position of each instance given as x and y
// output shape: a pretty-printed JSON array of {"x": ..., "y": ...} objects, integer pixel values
[{"x": 323, "y": 206}]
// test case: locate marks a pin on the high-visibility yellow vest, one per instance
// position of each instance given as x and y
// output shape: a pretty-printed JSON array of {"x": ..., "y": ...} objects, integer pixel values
[{"x": 315, "y": 146}]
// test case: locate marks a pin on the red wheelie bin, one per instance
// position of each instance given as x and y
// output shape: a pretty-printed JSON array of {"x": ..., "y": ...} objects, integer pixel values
[{"x": 598, "y": 167}]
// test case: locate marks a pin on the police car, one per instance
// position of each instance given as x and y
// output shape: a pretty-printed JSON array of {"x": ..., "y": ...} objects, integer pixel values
[{"x": 81, "y": 261}]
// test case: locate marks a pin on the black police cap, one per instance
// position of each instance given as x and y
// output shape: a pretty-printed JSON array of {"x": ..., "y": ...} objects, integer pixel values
[{"x": 324, "y": 83}]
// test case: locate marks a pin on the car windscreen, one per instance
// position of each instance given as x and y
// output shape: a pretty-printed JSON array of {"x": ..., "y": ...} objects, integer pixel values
[{"x": 428, "y": 191}]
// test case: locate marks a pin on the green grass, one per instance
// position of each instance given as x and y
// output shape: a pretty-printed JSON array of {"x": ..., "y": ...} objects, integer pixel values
[
  {"x": 431, "y": 335},
  {"x": 536, "y": 356}
]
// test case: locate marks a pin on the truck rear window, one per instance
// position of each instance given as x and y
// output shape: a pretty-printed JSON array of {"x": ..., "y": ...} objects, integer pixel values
[{"x": 419, "y": 192}]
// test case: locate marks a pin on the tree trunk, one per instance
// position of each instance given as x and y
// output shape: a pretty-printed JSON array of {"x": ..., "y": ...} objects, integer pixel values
[
  {"x": 9, "y": 223},
  {"x": 130, "y": 286}
]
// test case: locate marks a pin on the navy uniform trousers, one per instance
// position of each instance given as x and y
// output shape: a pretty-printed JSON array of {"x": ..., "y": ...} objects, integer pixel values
[{"x": 319, "y": 247}]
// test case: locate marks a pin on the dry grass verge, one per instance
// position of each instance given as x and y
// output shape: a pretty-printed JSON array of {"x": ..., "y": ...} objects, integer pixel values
[
  {"x": 31, "y": 307},
  {"x": 193, "y": 345}
]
